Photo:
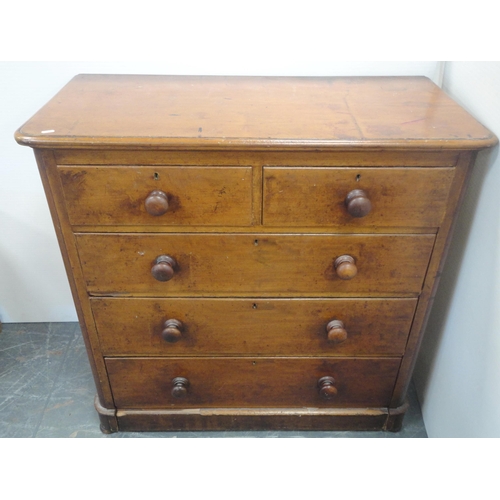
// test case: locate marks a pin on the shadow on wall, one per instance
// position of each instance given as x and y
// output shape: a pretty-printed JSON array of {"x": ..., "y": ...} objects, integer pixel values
[
  {"x": 468, "y": 239},
  {"x": 29, "y": 286}
]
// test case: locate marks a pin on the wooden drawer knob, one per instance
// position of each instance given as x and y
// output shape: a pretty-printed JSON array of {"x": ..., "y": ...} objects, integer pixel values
[
  {"x": 156, "y": 203},
  {"x": 172, "y": 330},
  {"x": 357, "y": 203},
  {"x": 336, "y": 331},
  {"x": 180, "y": 387},
  {"x": 345, "y": 267},
  {"x": 326, "y": 387},
  {"x": 164, "y": 268}
]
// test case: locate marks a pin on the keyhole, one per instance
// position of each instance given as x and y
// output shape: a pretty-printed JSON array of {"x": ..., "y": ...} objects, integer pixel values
[
  {"x": 256, "y": 242},
  {"x": 254, "y": 306},
  {"x": 358, "y": 177},
  {"x": 156, "y": 176}
]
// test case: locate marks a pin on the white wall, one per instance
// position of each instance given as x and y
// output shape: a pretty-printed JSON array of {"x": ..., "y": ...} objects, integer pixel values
[
  {"x": 33, "y": 284},
  {"x": 458, "y": 371}
]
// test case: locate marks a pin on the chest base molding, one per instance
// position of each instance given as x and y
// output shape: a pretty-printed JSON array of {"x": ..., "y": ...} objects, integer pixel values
[{"x": 254, "y": 419}]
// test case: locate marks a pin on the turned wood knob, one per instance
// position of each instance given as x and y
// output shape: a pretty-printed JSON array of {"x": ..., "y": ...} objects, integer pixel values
[
  {"x": 336, "y": 331},
  {"x": 180, "y": 387},
  {"x": 156, "y": 203},
  {"x": 326, "y": 388},
  {"x": 357, "y": 203},
  {"x": 172, "y": 330},
  {"x": 345, "y": 267},
  {"x": 164, "y": 268}
]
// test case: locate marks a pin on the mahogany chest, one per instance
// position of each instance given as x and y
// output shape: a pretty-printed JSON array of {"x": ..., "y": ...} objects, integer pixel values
[{"x": 253, "y": 252}]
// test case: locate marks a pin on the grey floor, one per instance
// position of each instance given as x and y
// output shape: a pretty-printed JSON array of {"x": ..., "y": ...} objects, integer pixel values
[{"x": 47, "y": 390}]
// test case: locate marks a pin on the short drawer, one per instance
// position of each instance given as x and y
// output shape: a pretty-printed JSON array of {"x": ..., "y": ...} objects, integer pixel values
[
  {"x": 251, "y": 382},
  {"x": 274, "y": 327},
  {"x": 395, "y": 197},
  {"x": 122, "y": 196},
  {"x": 241, "y": 264}
]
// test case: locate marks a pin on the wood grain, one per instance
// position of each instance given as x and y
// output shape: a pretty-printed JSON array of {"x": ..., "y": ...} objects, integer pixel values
[
  {"x": 237, "y": 264},
  {"x": 251, "y": 382},
  {"x": 250, "y": 176},
  {"x": 244, "y": 419},
  {"x": 128, "y": 111},
  {"x": 342, "y": 156},
  {"x": 52, "y": 187},
  {"x": 443, "y": 242},
  {"x": 196, "y": 195},
  {"x": 278, "y": 327},
  {"x": 316, "y": 196}
]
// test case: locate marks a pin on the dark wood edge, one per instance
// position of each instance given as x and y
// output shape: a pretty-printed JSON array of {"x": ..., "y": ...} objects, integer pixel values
[
  {"x": 244, "y": 419},
  {"x": 55, "y": 198},
  {"x": 268, "y": 158},
  {"x": 395, "y": 418},
  {"x": 255, "y": 144},
  {"x": 255, "y": 229},
  {"x": 463, "y": 143},
  {"x": 107, "y": 417},
  {"x": 438, "y": 257}
]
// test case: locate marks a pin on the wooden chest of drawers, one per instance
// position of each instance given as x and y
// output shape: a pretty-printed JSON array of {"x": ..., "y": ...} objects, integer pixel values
[{"x": 253, "y": 253}]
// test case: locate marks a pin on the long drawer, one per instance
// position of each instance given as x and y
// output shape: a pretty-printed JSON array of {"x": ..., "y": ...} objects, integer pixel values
[
  {"x": 241, "y": 264},
  {"x": 251, "y": 382},
  {"x": 273, "y": 327}
]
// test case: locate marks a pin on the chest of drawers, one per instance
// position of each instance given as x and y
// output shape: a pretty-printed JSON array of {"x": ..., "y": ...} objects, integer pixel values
[{"x": 253, "y": 253}]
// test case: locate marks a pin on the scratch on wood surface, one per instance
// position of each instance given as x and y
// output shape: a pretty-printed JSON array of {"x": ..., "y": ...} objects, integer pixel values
[
  {"x": 413, "y": 121},
  {"x": 353, "y": 117}
]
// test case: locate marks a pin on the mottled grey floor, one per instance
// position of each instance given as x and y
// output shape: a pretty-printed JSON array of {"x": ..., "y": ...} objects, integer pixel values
[{"x": 47, "y": 390}]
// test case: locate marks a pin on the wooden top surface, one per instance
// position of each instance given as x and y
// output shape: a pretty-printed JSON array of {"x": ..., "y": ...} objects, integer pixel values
[{"x": 198, "y": 112}]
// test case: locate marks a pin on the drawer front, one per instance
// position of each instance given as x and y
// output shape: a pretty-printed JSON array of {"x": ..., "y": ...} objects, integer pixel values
[
  {"x": 399, "y": 197},
  {"x": 191, "y": 195},
  {"x": 250, "y": 382},
  {"x": 275, "y": 327},
  {"x": 243, "y": 264}
]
